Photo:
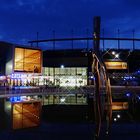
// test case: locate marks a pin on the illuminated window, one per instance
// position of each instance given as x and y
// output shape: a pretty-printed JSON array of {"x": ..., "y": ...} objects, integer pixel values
[
  {"x": 27, "y": 60},
  {"x": 116, "y": 65},
  {"x": 68, "y": 76}
]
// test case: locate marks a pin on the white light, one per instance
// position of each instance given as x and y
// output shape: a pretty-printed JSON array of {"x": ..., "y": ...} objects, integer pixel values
[
  {"x": 113, "y": 53},
  {"x": 92, "y": 77},
  {"x": 62, "y": 66},
  {"x": 28, "y": 98},
  {"x": 107, "y": 133},
  {"x": 116, "y": 55},
  {"x": 118, "y": 116},
  {"x": 62, "y": 100},
  {"x": 23, "y": 98},
  {"x": 115, "y": 119}
]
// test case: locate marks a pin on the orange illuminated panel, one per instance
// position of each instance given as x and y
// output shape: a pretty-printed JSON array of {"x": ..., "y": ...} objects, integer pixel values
[
  {"x": 27, "y": 60},
  {"x": 116, "y": 65},
  {"x": 119, "y": 105},
  {"x": 26, "y": 114}
]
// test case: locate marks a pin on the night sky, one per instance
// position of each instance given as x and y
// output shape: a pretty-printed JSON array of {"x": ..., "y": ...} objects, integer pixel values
[{"x": 20, "y": 20}]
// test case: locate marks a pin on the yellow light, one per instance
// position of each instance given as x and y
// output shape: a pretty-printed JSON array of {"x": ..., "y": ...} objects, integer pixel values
[{"x": 116, "y": 65}]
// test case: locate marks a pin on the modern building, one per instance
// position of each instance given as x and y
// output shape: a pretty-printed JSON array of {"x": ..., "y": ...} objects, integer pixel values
[
  {"x": 24, "y": 65},
  {"x": 66, "y": 67},
  {"x": 63, "y": 77},
  {"x": 123, "y": 66},
  {"x": 20, "y": 65},
  {"x": 73, "y": 67}
]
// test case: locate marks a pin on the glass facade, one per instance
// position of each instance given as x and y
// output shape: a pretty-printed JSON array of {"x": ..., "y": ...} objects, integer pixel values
[
  {"x": 27, "y": 60},
  {"x": 69, "y": 76}
]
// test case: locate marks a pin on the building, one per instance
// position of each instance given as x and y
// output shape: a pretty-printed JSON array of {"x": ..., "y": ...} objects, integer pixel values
[
  {"x": 66, "y": 67},
  {"x": 20, "y": 65},
  {"x": 123, "y": 66},
  {"x": 64, "y": 76},
  {"x": 24, "y": 65}
]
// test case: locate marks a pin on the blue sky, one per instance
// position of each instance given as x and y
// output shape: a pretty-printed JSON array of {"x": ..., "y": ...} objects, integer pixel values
[{"x": 21, "y": 19}]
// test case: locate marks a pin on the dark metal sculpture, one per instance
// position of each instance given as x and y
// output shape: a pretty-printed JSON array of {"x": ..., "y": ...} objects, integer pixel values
[
  {"x": 103, "y": 97},
  {"x": 102, "y": 85}
]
